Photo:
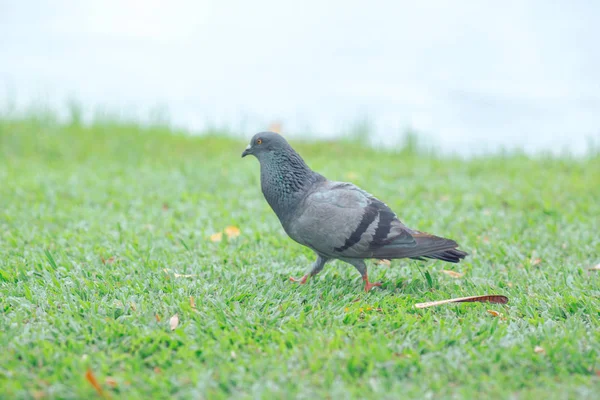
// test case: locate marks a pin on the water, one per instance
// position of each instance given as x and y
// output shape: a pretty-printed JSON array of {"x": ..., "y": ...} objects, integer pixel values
[{"x": 473, "y": 78}]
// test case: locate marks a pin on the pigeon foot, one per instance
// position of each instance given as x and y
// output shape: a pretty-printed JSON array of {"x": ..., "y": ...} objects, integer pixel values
[
  {"x": 369, "y": 285},
  {"x": 301, "y": 281}
]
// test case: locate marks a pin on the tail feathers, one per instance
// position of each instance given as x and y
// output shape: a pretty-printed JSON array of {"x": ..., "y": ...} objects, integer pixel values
[
  {"x": 427, "y": 246},
  {"x": 452, "y": 255}
]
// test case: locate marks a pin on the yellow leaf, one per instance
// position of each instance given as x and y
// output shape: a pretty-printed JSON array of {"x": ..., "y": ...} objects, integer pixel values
[
  {"x": 173, "y": 322},
  {"x": 494, "y": 313},
  {"x": 157, "y": 317},
  {"x": 346, "y": 309},
  {"x": 216, "y": 237},
  {"x": 539, "y": 350},
  {"x": 192, "y": 302},
  {"x": 453, "y": 274},
  {"x": 232, "y": 232},
  {"x": 351, "y": 175}
]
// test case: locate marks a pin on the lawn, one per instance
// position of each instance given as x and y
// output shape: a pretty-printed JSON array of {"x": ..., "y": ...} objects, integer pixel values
[{"x": 109, "y": 231}]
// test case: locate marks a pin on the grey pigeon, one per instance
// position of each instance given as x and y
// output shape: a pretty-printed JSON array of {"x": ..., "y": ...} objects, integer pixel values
[{"x": 337, "y": 220}]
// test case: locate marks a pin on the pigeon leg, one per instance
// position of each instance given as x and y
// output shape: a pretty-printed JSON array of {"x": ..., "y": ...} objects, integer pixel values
[
  {"x": 362, "y": 268},
  {"x": 315, "y": 269}
]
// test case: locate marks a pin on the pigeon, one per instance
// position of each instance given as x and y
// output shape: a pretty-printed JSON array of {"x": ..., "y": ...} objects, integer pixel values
[{"x": 337, "y": 220}]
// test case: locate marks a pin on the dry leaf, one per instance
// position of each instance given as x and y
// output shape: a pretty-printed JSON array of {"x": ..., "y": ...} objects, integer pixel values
[
  {"x": 232, "y": 232},
  {"x": 133, "y": 306},
  {"x": 536, "y": 261},
  {"x": 594, "y": 268},
  {"x": 165, "y": 206},
  {"x": 174, "y": 321},
  {"x": 216, "y": 237},
  {"x": 157, "y": 317},
  {"x": 94, "y": 382},
  {"x": 384, "y": 262},
  {"x": 109, "y": 260},
  {"x": 192, "y": 302},
  {"x": 110, "y": 381},
  {"x": 491, "y": 298},
  {"x": 539, "y": 350},
  {"x": 453, "y": 274},
  {"x": 494, "y": 313},
  {"x": 157, "y": 370}
]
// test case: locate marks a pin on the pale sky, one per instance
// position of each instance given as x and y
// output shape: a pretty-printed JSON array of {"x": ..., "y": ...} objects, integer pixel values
[{"x": 484, "y": 74}]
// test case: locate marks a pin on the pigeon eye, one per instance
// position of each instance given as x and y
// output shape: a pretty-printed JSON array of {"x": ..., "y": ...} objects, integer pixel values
[{"x": 259, "y": 141}]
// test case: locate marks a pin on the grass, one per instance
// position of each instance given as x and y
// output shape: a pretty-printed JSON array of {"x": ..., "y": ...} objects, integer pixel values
[{"x": 91, "y": 217}]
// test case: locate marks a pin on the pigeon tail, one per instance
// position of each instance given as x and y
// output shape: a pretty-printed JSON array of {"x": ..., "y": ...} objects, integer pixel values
[{"x": 428, "y": 246}]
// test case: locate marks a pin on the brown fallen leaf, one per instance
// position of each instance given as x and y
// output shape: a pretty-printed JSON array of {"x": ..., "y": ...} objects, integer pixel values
[
  {"x": 232, "y": 232},
  {"x": 157, "y": 370},
  {"x": 539, "y": 350},
  {"x": 536, "y": 261},
  {"x": 109, "y": 260},
  {"x": 174, "y": 321},
  {"x": 494, "y": 313},
  {"x": 491, "y": 298},
  {"x": 165, "y": 206},
  {"x": 452, "y": 274},
  {"x": 384, "y": 262},
  {"x": 216, "y": 237},
  {"x": 110, "y": 381},
  {"x": 89, "y": 375},
  {"x": 594, "y": 268},
  {"x": 192, "y": 302},
  {"x": 157, "y": 317}
]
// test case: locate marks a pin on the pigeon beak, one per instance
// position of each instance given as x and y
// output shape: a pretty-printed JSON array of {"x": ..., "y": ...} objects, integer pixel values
[{"x": 247, "y": 151}]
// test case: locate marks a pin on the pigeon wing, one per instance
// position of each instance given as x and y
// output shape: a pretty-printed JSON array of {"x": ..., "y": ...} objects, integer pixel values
[{"x": 340, "y": 220}]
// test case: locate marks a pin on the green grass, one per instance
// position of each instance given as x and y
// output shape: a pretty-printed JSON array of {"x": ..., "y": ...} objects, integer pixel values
[{"x": 91, "y": 216}]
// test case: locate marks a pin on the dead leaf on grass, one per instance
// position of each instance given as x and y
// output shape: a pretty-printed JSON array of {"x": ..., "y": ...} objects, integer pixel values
[
  {"x": 493, "y": 313},
  {"x": 539, "y": 350},
  {"x": 491, "y": 298},
  {"x": 216, "y": 237},
  {"x": 174, "y": 321},
  {"x": 110, "y": 381},
  {"x": 192, "y": 302},
  {"x": 232, "y": 232},
  {"x": 384, "y": 262},
  {"x": 89, "y": 376},
  {"x": 452, "y": 274}
]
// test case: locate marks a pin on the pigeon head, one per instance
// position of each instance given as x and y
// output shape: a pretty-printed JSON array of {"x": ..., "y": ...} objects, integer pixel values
[{"x": 266, "y": 142}]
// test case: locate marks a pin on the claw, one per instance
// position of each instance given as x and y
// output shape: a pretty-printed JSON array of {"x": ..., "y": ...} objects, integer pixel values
[
  {"x": 301, "y": 281},
  {"x": 369, "y": 285}
]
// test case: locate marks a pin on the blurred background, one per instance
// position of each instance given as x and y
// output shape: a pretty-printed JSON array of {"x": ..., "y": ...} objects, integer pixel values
[{"x": 478, "y": 77}]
